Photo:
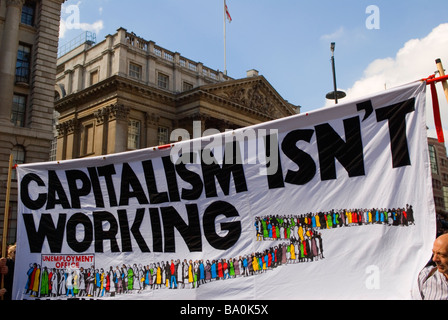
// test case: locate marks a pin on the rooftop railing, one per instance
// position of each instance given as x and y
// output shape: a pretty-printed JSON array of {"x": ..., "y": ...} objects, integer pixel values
[
  {"x": 85, "y": 37},
  {"x": 149, "y": 46}
]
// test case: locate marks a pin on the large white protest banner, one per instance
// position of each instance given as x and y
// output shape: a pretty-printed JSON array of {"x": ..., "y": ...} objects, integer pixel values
[{"x": 332, "y": 204}]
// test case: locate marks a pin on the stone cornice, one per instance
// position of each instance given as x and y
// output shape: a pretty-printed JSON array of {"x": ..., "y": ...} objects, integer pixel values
[
  {"x": 112, "y": 84},
  {"x": 253, "y": 97}
]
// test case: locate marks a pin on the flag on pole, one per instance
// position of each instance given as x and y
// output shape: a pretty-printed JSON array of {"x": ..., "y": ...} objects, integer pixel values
[{"x": 227, "y": 12}]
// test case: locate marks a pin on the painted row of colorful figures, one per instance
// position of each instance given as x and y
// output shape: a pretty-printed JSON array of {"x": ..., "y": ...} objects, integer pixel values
[
  {"x": 109, "y": 282},
  {"x": 278, "y": 227}
]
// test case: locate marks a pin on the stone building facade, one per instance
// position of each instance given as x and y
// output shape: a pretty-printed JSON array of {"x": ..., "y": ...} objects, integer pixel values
[
  {"x": 128, "y": 93},
  {"x": 29, "y": 34}
]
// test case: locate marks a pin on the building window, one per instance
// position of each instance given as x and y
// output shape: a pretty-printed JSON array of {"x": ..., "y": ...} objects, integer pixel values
[
  {"x": 445, "y": 197},
  {"x": 436, "y": 184},
  {"x": 28, "y": 10},
  {"x": 433, "y": 159},
  {"x": 18, "y": 110},
  {"x": 54, "y": 148},
  {"x": 443, "y": 162},
  {"x": 135, "y": 71},
  {"x": 18, "y": 156},
  {"x": 94, "y": 77},
  {"x": 133, "y": 134},
  {"x": 162, "y": 136},
  {"x": 162, "y": 81},
  {"x": 23, "y": 63},
  {"x": 186, "y": 86}
]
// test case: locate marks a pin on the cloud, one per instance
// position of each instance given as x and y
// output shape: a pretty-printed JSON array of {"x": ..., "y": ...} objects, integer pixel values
[
  {"x": 414, "y": 61},
  {"x": 71, "y": 20},
  {"x": 95, "y": 27},
  {"x": 333, "y": 36}
]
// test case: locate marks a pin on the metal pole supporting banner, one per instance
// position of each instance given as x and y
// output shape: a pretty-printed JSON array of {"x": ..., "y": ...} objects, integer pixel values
[
  {"x": 6, "y": 217},
  {"x": 442, "y": 74}
]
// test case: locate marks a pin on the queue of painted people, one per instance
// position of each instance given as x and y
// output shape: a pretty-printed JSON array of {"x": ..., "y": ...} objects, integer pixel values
[
  {"x": 432, "y": 281},
  {"x": 300, "y": 243},
  {"x": 275, "y": 227},
  {"x": 94, "y": 282}
]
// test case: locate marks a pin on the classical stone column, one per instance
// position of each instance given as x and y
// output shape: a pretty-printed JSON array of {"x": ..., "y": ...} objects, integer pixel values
[
  {"x": 68, "y": 140},
  {"x": 8, "y": 58},
  {"x": 101, "y": 130},
  {"x": 151, "y": 134},
  {"x": 118, "y": 129},
  {"x": 61, "y": 152}
]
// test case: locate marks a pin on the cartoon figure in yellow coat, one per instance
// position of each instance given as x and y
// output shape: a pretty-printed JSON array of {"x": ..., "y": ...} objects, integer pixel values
[
  {"x": 190, "y": 274},
  {"x": 318, "y": 225},
  {"x": 301, "y": 232},
  {"x": 158, "y": 276},
  {"x": 293, "y": 252},
  {"x": 255, "y": 263}
]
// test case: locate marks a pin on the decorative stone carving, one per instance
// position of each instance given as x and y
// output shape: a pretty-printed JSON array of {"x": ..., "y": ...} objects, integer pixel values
[
  {"x": 101, "y": 115},
  {"x": 68, "y": 127},
  {"x": 113, "y": 112},
  {"x": 254, "y": 98},
  {"x": 118, "y": 112}
]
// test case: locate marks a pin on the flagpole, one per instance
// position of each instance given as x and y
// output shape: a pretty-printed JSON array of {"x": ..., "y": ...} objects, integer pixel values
[
  {"x": 6, "y": 217},
  {"x": 225, "y": 50},
  {"x": 442, "y": 74}
]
